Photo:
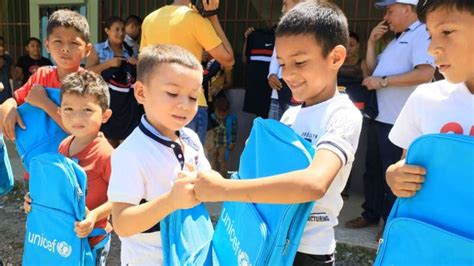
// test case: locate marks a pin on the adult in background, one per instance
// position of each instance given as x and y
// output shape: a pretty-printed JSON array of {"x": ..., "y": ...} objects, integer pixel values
[
  {"x": 195, "y": 30},
  {"x": 395, "y": 73},
  {"x": 115, "y": 61}
]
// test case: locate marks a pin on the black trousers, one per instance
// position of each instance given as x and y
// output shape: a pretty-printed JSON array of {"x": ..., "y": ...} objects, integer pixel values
[
  {"x": 303, "y": 259},
  {"x": 381, "y": 153}
]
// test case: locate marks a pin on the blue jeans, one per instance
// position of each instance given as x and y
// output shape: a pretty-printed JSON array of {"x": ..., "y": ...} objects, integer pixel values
[{"x": 199, "y": 123}]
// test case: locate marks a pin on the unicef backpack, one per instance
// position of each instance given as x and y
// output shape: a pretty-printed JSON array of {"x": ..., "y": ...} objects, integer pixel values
[
  {"x": 436, "y": 226},
  {"x": 57, "y": 189},
  {"x": 42, "y": 133},
  {"x": 264, "y": 234},
  {"x": 6, "y": 176}
]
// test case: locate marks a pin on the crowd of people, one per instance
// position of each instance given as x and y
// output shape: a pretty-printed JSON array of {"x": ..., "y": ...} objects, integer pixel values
[{"x": 141, "y": 108}]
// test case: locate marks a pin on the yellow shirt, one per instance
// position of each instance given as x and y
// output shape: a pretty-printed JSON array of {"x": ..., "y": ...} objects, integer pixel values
[{"x": 182, "y": 26}]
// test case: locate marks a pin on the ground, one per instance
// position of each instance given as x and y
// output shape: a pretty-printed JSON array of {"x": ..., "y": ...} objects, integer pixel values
[{"x": 12, "y": 230}]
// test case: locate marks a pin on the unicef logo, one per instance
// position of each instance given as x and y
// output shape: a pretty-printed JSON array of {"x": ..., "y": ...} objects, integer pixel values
[
  {"x": 243, "y": 259},
  {"x": 64, "y": 249}
]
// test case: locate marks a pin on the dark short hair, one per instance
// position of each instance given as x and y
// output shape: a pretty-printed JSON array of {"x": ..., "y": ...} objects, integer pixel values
[
  {"x": 85, "y": 83},
  {"x": 133, "y": 19},
  {"x": 323, "y": 20},
  {"x": 425, "y": 7},
  {"x": 153, "y": 56},
  {"x": 354, "y": 35},
  {"x": 222, "y": 104},
  {"x": 69, "y": 19},
  {"x": 32, "y": 39},
  {"x": 111, "y": 20}
]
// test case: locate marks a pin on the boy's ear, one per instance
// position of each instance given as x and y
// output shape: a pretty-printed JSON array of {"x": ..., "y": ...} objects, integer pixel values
[
  {"x": 88, "y": 49},
  {"x": 139, "y": 92},
  {"x": 46, "y": 44},
  {"x": 338, "y": 56},
  {"x": 106, "y": 116}
]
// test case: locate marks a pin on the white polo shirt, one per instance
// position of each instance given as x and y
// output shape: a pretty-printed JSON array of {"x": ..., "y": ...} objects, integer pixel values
[
  {"x": 400, "y": 56},
  {"x": 333, "y": 125},
  {"x": 144, "y": 167}
]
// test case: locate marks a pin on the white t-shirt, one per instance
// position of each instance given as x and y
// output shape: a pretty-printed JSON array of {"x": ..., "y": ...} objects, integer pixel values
[
  {"x": 143, "y": 168},
  {"x": 334, "y": 125},
  {"x": 439, "y": 107},
  {"x": 400, "y": 56}
]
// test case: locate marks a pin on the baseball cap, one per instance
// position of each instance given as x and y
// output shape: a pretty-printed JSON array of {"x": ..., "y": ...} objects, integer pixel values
[{"x": 386, "y": 3}]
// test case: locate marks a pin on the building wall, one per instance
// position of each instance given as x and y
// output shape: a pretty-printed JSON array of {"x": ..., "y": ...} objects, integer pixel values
[{"x": 235, "y": 15}]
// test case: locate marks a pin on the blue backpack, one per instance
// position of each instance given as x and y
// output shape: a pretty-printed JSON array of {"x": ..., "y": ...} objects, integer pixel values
[
  {"x": 42, "y": 133},
  {"x": 6, "y": 176},
  {"x": 436, "y": 226},
  {"x": 57, "y": 189},
  {"x": 186, "y": 236},
  {"x": 265, "y": 234}
]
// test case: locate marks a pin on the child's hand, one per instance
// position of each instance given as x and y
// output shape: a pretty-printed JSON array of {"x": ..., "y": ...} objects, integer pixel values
[
  {"x": 405, "y": 180},
  {"x": 8, "y": 121},
  {"x": 209, "y": 186},
  {"x": 27, "y": 202},
  {"x": 37, "y": 96},
  {"x": 182, "y": 193},
  {"x": 85, "y": 227}
]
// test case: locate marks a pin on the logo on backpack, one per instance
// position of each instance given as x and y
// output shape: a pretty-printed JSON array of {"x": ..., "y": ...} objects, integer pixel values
[
  {"x": 243, "y": 259},
  {"x": 63, "y": 248}
]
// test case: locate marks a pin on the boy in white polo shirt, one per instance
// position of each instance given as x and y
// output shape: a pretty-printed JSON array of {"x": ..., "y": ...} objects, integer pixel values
[
  {"x": 310, "y": 44},
  {"x": 445, "y": 106},
  {"x": 148, "y": 181}
]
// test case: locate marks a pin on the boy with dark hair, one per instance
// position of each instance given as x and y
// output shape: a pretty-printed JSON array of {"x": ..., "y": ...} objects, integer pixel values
[
  {"x": 148, "y": 181},
  {"x": 445, "y": 106},
  {"x": 310, "y": 44},
  {"x": 27, "y": 65},
  {"x": 68, "y": 42},
  {"x": 133, "y": 30},
  {"x": 84, "y": 108}
]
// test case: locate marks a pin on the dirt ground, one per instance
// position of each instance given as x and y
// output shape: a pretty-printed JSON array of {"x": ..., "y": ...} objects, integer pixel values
[{"x": 12, "y": 231}]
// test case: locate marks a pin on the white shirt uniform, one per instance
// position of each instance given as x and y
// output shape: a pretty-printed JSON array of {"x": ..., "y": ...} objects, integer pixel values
[
  {"x": 439, "y": 107},
  {"x": 333, "y": 125},
  {"x": 144, "y": 168},
  {"x": 400, "y": 56}
]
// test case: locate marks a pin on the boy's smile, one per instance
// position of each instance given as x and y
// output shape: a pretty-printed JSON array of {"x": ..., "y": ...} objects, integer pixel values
[
  {"x": 452, "y": 43},
  {"x": 310, "y": 76}
]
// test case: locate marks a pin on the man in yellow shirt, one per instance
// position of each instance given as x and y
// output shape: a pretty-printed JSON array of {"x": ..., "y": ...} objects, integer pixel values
[{"x": 182, "y": 25}]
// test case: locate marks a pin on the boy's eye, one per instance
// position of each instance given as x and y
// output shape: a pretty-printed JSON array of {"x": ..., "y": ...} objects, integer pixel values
[
  {"x": 300, "y": 63},
  {"x": 88, "y": 110},
  {"x": 171, "y": 94},
  {"x": 194, "y": 99},
  {"x": 67, "y": 109},
  {"x": 446, "y": 32}
]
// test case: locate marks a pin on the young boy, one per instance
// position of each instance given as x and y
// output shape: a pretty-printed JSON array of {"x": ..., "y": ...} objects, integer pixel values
[
  {"x": 133, "y": 30},
  {"x": 223, "y": 135},
  {"x": 84, "y": 108},
  {"x": 68, "y": 42},
  {"x": 444, "y": 106},
  {"x": 310, "y": 44},
  {"x": 148, "y": 181},
  {"x": 27, "y": 65}
]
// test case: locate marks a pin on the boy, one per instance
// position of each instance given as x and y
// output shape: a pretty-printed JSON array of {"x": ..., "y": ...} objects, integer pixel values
[
  {"x": 444, "y": 106},
  {"x": 68, "y": 42},
  {"x": 148, "y": 181},
  {"x": 310, "y": 44},
  {"x": 84, "y": 108},
  {"x": 223, "y": 134},
  {"x": 133, "y": 30},
  {"x": 5, "y": 69},
  {"x": 29, "y": 63}
]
